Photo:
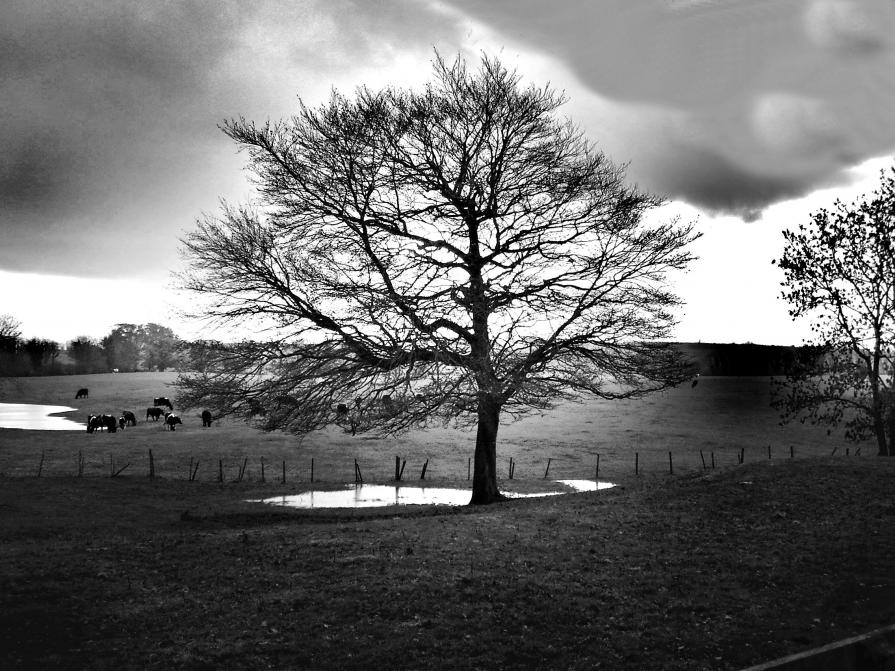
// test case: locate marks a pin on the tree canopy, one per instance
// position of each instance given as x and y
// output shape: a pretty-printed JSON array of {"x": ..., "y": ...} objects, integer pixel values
[
  {"x": 840, "y": 272},
  {"x": 447, "y": 254}
]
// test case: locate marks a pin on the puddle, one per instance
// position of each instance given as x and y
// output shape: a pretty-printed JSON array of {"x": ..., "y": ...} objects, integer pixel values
[
  {"x": 372, "y": 496},
  {"x": 33, "y": 416}
]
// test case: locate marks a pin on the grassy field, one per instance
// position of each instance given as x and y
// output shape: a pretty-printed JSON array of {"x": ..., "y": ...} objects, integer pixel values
[
  {"x": 705, "y": 569},
  {"x": 721, "y": 415}
]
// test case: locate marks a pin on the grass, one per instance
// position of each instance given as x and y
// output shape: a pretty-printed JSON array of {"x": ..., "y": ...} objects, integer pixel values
[{"x": 703, "y": 570}]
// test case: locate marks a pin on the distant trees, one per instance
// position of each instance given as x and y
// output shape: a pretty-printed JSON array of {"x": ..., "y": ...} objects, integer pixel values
[
  {"x": 457, "y": 253},
  {"x": 128, "y": 347},
  {"x": 88, "y": 355},
  {"x": 840, "y": 271},
  {"x": 132, "y": 347}
]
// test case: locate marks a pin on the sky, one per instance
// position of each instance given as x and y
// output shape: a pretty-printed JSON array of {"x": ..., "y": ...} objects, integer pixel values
[{"x": 746, "y": 115}]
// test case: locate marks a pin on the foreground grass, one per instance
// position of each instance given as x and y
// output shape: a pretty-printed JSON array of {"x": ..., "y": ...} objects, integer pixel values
[{"x": 713, "y": 571}]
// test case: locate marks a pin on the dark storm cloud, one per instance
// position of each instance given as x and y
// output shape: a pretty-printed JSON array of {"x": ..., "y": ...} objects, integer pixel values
[
  {"x": 771, "y": 99},
  {"x": 109, "y": 146}
]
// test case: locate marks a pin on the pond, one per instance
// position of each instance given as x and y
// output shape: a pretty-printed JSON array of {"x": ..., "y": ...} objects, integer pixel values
[
  {"x": 40, "y": 417},
  {"x": 372, "y": 496}
]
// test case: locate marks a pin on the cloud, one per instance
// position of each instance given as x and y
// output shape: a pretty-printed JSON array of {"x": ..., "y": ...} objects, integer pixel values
[
  {"x": 778, "y": 98},
  {"x": 110, "y": 148},
  {"x": 846, "y": 25}
]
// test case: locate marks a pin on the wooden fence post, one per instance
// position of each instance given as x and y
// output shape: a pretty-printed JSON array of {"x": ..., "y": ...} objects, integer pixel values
[
  {"x": 670, "y": 464},
  {"x": 423, "y": 474},
  {"x": 151, "y": 466},
  {"x": 636, "y": 463},
  {"x": 284, "y": 471},
  {"x": 312, "y": 469},
  {"x": 548, "y": 467},
  {"x": 597, "y": 471}
]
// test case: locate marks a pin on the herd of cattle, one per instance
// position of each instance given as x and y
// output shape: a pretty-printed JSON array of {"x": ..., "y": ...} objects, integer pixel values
[{"x": 112, "y": 424}]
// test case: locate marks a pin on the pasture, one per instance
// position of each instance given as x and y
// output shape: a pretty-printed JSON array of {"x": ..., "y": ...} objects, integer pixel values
[
  {"x": 706, "y": 569},
  {"x": 719, "y": 417}
]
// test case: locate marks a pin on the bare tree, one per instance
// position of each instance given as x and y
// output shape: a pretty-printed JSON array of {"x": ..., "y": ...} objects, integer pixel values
[
  {"x": 840, "y": 270},
  {"x": 452, "y": 254}
]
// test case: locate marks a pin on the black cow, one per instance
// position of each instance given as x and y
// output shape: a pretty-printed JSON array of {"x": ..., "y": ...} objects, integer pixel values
[
  {"x": 92, "y": 423},
  {"x": 82, "y": 393},
  {"x": 171, "y": 420},
  {"x": 129, "y": 417},
  {"x": 206, "y": 418},
  {"x": 122, "y": 422},
  {"x": 155, "y": 413},
  {"x": 161, "y": 400},
  {"x": 341, "y": 410}
]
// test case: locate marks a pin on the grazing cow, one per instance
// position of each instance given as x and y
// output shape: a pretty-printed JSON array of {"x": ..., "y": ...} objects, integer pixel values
[
  {"x": 100, "y": 422},
  {"x": 82, "y": 393},
  {"x": 155, "y": 413},
  {"x": 171, "y": 420},
  {"x": 387, "y": 402},
  {"x": 161, "y": 400},
  {"x": 206, "y": 418},
  {"x": 129, "y": 417},
  {"x": 110, "y": 422},
  {"x": 341, "y": 411},
  {"x": 122, "y": 422}
]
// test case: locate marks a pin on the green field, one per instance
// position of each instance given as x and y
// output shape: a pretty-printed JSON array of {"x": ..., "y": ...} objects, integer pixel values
[
  {"x": 703, "y": 570},
  {"x": 720, "y": 416}
]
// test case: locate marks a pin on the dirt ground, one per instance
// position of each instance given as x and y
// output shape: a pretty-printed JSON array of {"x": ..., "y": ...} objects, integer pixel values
[{"x": 706, "y": 570}]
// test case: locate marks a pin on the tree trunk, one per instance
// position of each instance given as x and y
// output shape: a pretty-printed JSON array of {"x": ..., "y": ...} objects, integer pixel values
[
  {"x": 892, "y": 432},
  {"x": 484, "y": 477},
  {"x": 879, "y": 428}
]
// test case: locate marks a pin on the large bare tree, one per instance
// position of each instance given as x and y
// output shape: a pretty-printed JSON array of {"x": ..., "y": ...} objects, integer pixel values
[
  {"x": 840, "y": 272},
  {"x": 456, "y": 253}
]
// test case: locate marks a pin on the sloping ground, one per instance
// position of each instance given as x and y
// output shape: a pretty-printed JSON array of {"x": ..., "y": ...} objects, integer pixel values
[{"x": 697, "y": 572}]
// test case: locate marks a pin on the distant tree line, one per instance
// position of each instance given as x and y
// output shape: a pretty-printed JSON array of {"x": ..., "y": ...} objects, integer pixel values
[{"x": 127, "y": 348}]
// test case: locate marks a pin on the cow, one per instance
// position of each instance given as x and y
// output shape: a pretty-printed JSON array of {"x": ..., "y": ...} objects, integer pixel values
[
  {"x": 171, "y": 420},
  {"x": 100, "y": 422},
  {"x": 341, "y": 411},
  {"x": 161, "y": 400},
  {"x": 129, "y": 417},
  {"x": 122, "y": 422},
  {"x": 110, "y": 422},
  {"x": 82, "y": 393},
  {"x": 155, "y": 413},
  {"x": 206, "y": 418},
  {"x": 387, "y": 402}
]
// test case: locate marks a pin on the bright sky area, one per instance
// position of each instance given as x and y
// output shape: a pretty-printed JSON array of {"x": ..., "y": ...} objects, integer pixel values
[{"x": 748, "y": 115}]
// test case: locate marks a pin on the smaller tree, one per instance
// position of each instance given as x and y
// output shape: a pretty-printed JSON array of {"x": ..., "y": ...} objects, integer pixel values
[
  {"x": 88, "y": 355},
  {"x": 122, "y": 347},
  {"x": 40, "y": 352},
  {"x": 840, "y": 270},
  {"x": 160, "y": 346},
  {"x": 10, "y": 333}
]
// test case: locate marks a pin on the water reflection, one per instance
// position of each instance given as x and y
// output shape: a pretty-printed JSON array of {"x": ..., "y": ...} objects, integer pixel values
[
  {"x": 371, "y": 496},
  {"x": 33, "y": 416}
]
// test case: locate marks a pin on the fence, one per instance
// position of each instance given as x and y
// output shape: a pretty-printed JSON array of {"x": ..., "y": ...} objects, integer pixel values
[{"x": 357, "y": 469}]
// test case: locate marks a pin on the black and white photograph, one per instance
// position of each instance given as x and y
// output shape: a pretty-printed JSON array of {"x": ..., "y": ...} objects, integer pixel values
[{"x": 447, "y": 334}]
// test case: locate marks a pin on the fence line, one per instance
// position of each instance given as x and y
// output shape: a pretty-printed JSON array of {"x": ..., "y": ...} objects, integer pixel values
[{"x": 240, "y": 469}]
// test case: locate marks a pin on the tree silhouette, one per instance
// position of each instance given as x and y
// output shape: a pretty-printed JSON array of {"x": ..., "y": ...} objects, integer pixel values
[
  {"x": 840, "y": 271},
  {"x": 453, "y": 254}
]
